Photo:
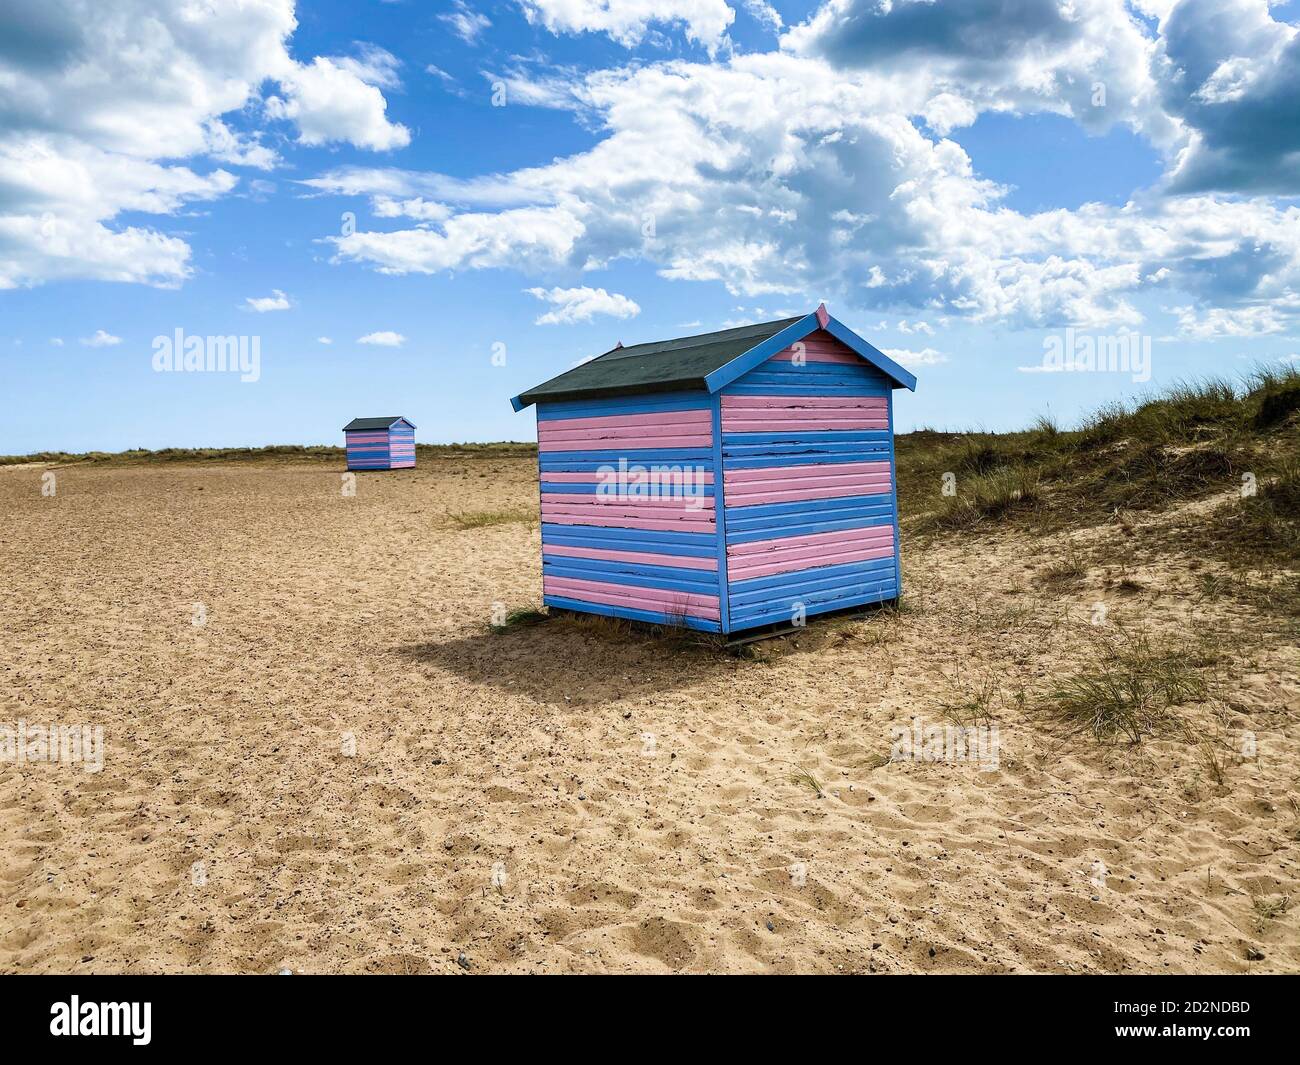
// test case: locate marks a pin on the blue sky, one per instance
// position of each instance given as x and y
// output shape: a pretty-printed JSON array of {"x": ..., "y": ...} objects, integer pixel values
[{"x": 941, "y": 174}]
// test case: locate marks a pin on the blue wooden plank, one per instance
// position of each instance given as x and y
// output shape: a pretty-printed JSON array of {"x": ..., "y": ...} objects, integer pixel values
[
  {"x": 665, "y": 540},
  {"x": 632, "y": 492},
  {"x": 720, "y": 519},
  {"x": 803, "y": 525},
  {"x": 637, "y": 574},
  {"x": 553, "y": 461},
  {"x": 763, "y": 458},
  {"x": 579, "y": 605},
  {"x": 634, "y": 404},
  {"x": 838, "y": 437},
  {"x": 784, "y": 610},
  {"x": 846, "y": 574}
]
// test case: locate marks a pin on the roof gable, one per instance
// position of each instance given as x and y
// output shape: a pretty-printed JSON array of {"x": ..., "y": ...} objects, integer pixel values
[{"x": 709, "y": 361}]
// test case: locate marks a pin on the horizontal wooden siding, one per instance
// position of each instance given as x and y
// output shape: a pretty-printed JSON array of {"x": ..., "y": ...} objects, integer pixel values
[
  {"x": 616, "y": 541},
  {"x": 808, "y": 485}
]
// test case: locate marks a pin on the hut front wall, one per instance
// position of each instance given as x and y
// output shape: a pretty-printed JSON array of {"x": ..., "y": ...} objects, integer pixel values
[
  {"x": 627, "y": 503},
  {"x": 808, "y": 482}
]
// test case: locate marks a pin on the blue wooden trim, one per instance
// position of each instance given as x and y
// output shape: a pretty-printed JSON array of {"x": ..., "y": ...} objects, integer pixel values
[
  {"x": 760, "y": 353},
  {"x": 893, "y": 467},
  {"x": 720, "y": 517},
  {"x": 584, "y": 607},
  {"x": 871, "y": 353}
]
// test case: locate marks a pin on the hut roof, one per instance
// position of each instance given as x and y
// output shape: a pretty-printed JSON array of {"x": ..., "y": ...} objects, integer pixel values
[
  {"x": 705, "y": 361},
  {"x": 375, "y": 423}
]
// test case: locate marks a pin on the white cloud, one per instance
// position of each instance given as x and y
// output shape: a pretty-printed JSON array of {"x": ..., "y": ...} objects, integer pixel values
[
  {"x": 582, "y": 304},
  {"x": 628, "y": 21},
  {"x": 789, "y": 177},
  {"x": 101, "y": 339},
  {"x": 324, "y": 340},
  {"x": 1261, "y": 320},
  {"x": 56, "y": 341},
  {"x": 765, "y": 14},
  {"x": 277, "y": 301},
  {"x": 384, "y": 339},
  {"x": 338, "y": 99},
  {"x": 109, "y": 108},
  {"x": 465, "y": 22},
  {"x": 924, "y": 357}
]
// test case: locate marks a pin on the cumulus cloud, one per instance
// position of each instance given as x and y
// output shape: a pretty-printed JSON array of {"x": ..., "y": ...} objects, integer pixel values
[
  {"x": 790, "y": 178},
  {"x": 101, "y": 339},
  {"x": 109, "y": 108},
  {"x": 331, "y": 99},
  {"x": 277, "y": 301},
  {"x": 385, "y": 338},
  {"x": 628, "y": 21},
  {"x": 572, "y": 305},
  {"x": 1231, "y": 72}
]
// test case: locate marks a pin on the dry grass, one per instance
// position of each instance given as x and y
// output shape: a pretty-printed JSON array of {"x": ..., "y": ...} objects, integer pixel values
[
  {"x": 478, "y": 519},
  {"x": 1130, "y": 690}
]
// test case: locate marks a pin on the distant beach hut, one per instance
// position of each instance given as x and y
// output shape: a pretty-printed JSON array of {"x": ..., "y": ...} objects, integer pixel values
[
  {"x": 380, "y": 443},
  {"x": 732, "y": 481}
]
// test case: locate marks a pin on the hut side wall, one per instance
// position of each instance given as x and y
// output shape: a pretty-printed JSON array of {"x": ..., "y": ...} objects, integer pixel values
[
  {"x": 401, "y": 448},
  {"x": 808, "y": 481},
  {"x": 367, "y": 449},
  {"x": 619, "y": 538}
]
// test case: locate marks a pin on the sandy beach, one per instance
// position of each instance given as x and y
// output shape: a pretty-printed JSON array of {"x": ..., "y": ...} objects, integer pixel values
[{"x": 318, "y": 757}]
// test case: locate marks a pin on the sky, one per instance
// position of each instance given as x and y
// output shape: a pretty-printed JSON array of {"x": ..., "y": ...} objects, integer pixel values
[{"x": 423, "y": 209}]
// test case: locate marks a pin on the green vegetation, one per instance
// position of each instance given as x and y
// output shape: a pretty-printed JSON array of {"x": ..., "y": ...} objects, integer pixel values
[
  {"x": 1192, "y": 441},
  {"x": 1130, "y": 689}
]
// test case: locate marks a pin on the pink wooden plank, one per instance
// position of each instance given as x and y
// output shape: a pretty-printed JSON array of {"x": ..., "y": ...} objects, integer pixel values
[
  {"x": 689, "y": 476},
  {"x": 812, "y": 560},
  {"x": 666, "y": 417},
  {"x": 668, "y": 602},
  {"x": 765, "y": 402},
  {"x": 867, "y": 536},
  {"x": 615, "y": 432},
  {"x": 652, "y": 506},
  {"x": 626, "y": 444},
  {"x": 790, "y": 425},
  {"x": 868, "y": 487},
  {"x": 624, "y": 522},
  {"x": 811, "y": 469}
]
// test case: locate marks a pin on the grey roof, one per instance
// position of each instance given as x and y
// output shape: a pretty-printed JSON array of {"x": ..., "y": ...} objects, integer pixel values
[
  {"x": 661, "y": 366},
  {"x": 375, "y": 423}
]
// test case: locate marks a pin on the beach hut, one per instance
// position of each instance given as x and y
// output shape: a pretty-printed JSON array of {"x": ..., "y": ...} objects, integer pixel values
[
  {"x": 380, "y": 443},
  {"x": 732, "y": 482}
]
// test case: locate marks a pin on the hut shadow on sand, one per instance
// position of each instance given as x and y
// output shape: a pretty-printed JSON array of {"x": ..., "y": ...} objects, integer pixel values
[{"x": 578, "y": 662}]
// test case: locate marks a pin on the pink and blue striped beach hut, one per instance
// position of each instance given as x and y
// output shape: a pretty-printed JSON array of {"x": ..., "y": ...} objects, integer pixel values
[
  {"x": 731, "y": 482},
  {"x": 380, "y": 443}
]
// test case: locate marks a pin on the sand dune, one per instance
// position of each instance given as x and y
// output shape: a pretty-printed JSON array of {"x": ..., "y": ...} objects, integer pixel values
[{"x": 561, "y": 799}]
